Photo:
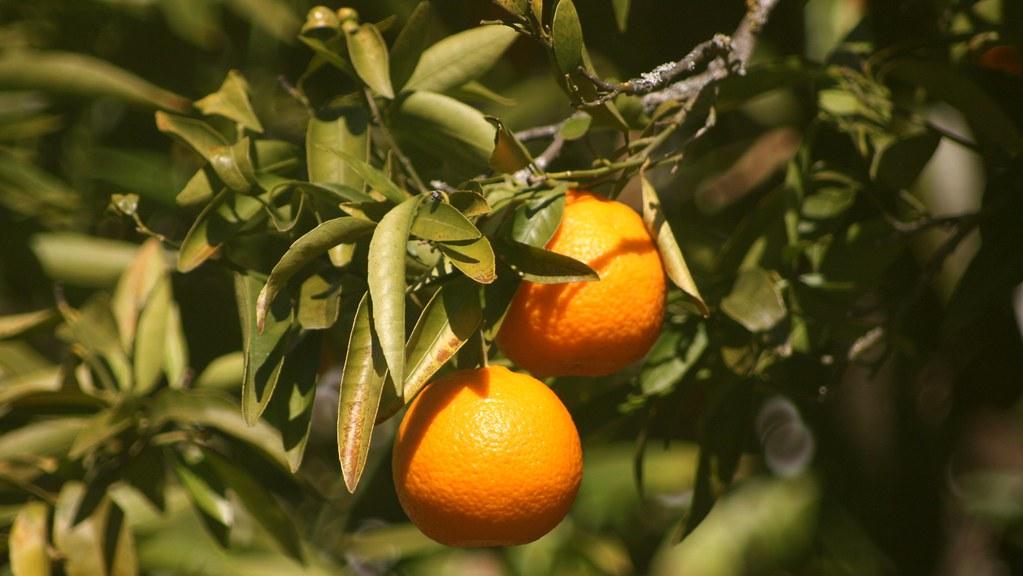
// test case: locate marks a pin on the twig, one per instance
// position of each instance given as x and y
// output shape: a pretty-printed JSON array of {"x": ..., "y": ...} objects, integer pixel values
[
  {"x": 661, "y": 76},
  {"x": 550, "y": 153},
  {"x": 406, "y": 164}
]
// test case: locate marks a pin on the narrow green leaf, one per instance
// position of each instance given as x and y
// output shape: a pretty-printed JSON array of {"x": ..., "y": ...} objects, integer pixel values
[
  {"x": 509, "y": 154},
  {"x": 376, "y": 179},
  {"x": 308, "y": 247},
  {"x": 28, "y": 541},
  {"x": 13, "y": 325},
  {"x": 409, "y": 44},
  {"x": 175, "y": 362},
  {"x": 151, "y": 339},
  {"x": 671, "y": 358},
  {"x": 260, "y": 503},
  {"x": 101, "y": 544},
  {"x": 543, "y": 266},
  {"x": 449, "y": 319},
  {"x": 232, "y": 101},
  {"x": 134, "y": 289},
  {"x": 81, "y": 75},
  {"x": 362, "y": 383},
  {"x": 264, "y": 349},
  {"x": 460, "y": 58},
  {"x": 216, "y": 224},
  {"x": 567, "y": 33},
  {"x": 291, "y": 410},
  {"x": 94, "y": 328},
  {"x": 621, "y": 10},
  {"x": 469, "y": 203},
  {"x": 755, "y": 301},
  {"x": 196, "y": 134},
  {"x": 445, "y": 129},
  {"x": 368, "y": 51},
  {"x": 319, "y": 303},
  {"x": 475, "y": 258},
  {"x": 341, "y": 128},
  {"x": 442, "y": 222},
  {"x": 223, "y": 373},
  {"x": 386, "y": 279},
  {"x": 671, "y": 255},
  {"x": 13, "y": 387},
  {"x": 576, "y": 126}
]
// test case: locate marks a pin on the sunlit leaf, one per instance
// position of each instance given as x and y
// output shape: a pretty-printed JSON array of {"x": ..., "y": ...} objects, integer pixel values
[
  {"x": 368, "y": 52},
  {"x": 319, "y": 303},
  {"x": 567, "y": 35},
  {"x": 208, "y": 495},
  {"x": 232, "y": 101},
  {"x": 101, "y": 544},
  {"x": 543, "y": 266},
  {"x": 460, "y": 58},
  {"x": 362, "y": 384},
  {"x": 216, "y": 224},
  {"x": 341, "y": 128},
  {"x": 672, "y": 357},
  {"x": 308, "y": 247},
  {"x": 233, "y": 164},
  {"x": 198, "y": 135},
  {"x": 755, "y": 301},
  {"x": 28, "y": 541},
  {"x": 291, "y": 409},
  {"x": 199, "y": 189},
  {"x": 576, "y": 126},
  {"x": 386, "y": 278},
  {"x": 621, "y": 10},
  {"x": 445, "y": 129},
  {"x": 671, "y": 255},
  {"x": 509, "y": 154},
  {"x": 449, "y": 319},
  {"x": 151, "y": 339},
  {"x": 13, "y": 325},
  {"x": 264, "y": 348},
  {"x": 535, "y": 221},
  {"x": 376, "y": 179},
  {"x": 134, "y": 289},
  {"x": 224, "y": 373},
  {"x": 175, "y": 350},
  {"x": 475, "y": 258},
  {"x": 442, "y": 222}
]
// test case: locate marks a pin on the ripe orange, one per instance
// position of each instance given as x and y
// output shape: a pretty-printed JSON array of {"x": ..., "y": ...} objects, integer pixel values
[
  {"x": 590, "y": 328},
  {"x": 487, "y": 457}
]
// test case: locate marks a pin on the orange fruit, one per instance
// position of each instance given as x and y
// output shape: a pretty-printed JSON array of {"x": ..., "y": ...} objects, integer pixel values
[
  {"x": 590, "y": 328},
  {"x": 486, "y": 457}
]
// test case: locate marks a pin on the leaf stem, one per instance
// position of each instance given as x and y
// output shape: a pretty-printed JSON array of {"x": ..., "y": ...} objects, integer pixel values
[{"x": 406, "y": 164}]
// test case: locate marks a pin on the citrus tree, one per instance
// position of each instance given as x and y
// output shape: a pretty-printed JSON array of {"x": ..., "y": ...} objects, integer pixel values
[{"x": 764, "y": 255}]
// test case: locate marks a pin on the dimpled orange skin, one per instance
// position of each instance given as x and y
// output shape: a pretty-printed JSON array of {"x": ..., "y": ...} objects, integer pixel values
[
  {"x": 487, "y": 457},
  {"x": 590, "y": 328}
]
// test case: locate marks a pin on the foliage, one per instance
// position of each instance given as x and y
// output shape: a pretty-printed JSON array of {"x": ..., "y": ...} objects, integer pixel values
[{"x": 206, "y": 299}]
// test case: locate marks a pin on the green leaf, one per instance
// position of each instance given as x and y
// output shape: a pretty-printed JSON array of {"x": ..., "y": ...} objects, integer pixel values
[
  {"x": 535, "y": 221},
  {"x": 898, "y": 164},
  {"x": 42, "y": 438},
  {"x": 13, "y": 325},
  {"x": 386, "y": 278},
  {"x": 198, "y": 190},
  {"x": 543, "y": 266},
  {"x": 260, "y": 503},
  {"x": 441, "y": 222},
  {"x": 321, "y": 22},
  {"x": 449, "y": 319},
  {"x": 196, "y": 134},
  {"x": 368, "y": 51},
  {"x": 151, "y": 339},
  {"x": 291, "y": 410},
  {"x": 671, "y": 254},
  {"x": 81, "y": 75},
  {"x": 13, "y": 387},
  {"x": 272, "y": 16},
  {"x": 376, "y": 179},
  {"x": 28, "y": 541},
  {"x": 213, "y": 409},
  {"x": 362, "y": 383},
  {"x": 101, "y": 544},
  {"x": 671, "y": 358},
  {"x": 208, "y": 495},
  {"x": 576, "y": 126},
  {"x": 567, "y": 37},
  {"x": 514, "y": 7},
  {"x": 223, "y": 373},
  {"x": 94, "y": 328},
  {"x": 341, "y": 128},
  {"x": 509, "y": 154},
  {"x": 408, "y": 46},
  {"x": 175, "y": 359},
  {"x": 307, "y": 248},
  {"x": 264, "y": 348},
  {"x": 101, "y": 427},
  {"x": 216, "y": 224},
  {"x": 469, "y": 203},
  {"x": 135, "y": 287},
  {"x": 460, "y": 58},
  {"x": 755, "y": 301},
  {"x": 475, "y": 258},
  {"x": 232, "y": 101},
  {"x": 621, "y": 10},
  {"x": 445, "y": 129},
  {"x": 233, "y": 164},
  {"x": 319, "y": 303}
]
